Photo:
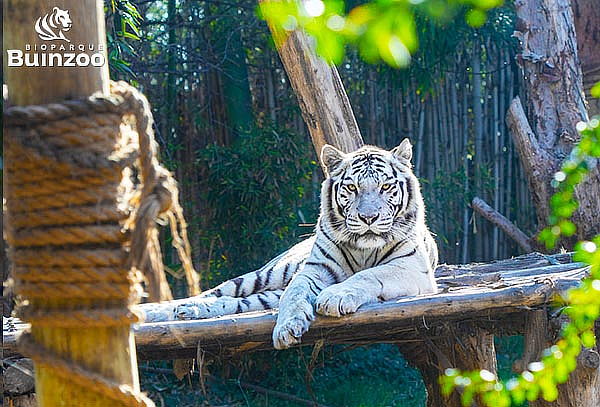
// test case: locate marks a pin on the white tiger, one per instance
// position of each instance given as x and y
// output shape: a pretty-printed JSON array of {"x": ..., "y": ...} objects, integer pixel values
[{"x": 371, "y": 244}]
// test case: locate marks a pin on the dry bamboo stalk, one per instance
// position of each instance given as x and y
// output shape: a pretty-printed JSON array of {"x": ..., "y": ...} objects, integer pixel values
[
  {"x": 454, "y": 116},
  {"x": 465, "y": 132},
  {"x": 478, "y": 133},
  {"x": 496, "y": 130},
  {"x": 501, "y": 109}
]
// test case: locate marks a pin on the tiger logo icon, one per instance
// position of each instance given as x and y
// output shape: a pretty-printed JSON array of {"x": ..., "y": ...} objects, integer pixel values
[{"x": 53, "y": 25}]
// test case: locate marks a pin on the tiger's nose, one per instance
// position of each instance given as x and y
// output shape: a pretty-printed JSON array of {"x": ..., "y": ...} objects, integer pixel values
[{"x": 368, "y": 218}]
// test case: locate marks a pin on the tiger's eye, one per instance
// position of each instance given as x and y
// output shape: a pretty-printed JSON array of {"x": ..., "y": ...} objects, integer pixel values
[
  {"x": 351, "y": 187},
  {"x": 385, "y": 187}
]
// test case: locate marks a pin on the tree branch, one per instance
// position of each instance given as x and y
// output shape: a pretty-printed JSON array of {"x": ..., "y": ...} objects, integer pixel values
[
  {"x": 537, "y": 162},
  {"x": 495, "y": 217}
]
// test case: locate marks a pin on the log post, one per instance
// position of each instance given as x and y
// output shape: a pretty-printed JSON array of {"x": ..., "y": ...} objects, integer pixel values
[
  {"x": 583, "y": 386},
  {"x": 459, "y": 345},
  {"x": 107, "y": 350}
]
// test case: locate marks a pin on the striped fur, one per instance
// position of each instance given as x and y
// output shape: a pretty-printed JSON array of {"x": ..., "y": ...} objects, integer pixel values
[{"x": 371, "y": 244}]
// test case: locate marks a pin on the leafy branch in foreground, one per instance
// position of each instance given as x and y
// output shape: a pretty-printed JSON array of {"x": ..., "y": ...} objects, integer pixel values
[
  {"x": 581, "y": 304},
  {"x": 380, "y": 29}
]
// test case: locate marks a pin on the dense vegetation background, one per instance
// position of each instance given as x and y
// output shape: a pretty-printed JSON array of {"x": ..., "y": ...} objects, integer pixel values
[{"x": 231, "y": 130}]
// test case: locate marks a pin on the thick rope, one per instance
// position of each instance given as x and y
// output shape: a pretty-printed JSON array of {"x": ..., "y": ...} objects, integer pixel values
[{"x": 80, "y": 227}]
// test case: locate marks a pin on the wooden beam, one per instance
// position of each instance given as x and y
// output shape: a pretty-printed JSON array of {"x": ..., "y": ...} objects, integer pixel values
[{"x": 323, "y": 101}]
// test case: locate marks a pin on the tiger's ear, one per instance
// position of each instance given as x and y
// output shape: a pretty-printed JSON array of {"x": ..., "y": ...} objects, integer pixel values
[
  {"x": 403, "y": 152},
  {"x": 331, "y": 158}
]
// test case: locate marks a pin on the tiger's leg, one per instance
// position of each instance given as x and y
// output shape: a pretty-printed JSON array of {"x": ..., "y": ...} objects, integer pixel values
[
  {"x": 296, "y": 307},
  {"x": 409, "y": 275},
  {"x": 199, "y": 307},
  {"x": 211, "y": 307},
  {"x": 273, "y": 276}
]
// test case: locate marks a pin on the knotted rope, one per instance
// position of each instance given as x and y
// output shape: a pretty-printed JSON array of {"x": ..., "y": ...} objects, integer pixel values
[{"x": 84, "y": 190}]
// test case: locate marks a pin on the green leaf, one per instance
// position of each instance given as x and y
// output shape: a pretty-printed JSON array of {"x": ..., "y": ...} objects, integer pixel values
[
  {"x": 595, "y": 91},
  {"x": 588, "y": 339},
  {"x": 476, "y": 18}
]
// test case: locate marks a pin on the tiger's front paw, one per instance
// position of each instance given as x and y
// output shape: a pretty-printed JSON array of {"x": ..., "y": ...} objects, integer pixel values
[
  {"x": 336, "y": 301},
  {"x": 199, "y": 309},
  {"x": 289, "y": 330}
]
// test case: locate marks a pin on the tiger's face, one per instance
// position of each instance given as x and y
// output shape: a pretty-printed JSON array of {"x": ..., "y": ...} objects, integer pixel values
[
  {"x": 62, "y": 19},
  {"x": 367, "y": 193}
]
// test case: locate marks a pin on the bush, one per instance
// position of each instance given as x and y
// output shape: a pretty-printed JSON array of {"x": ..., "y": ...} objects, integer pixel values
[{"x": 256, "y": 197}]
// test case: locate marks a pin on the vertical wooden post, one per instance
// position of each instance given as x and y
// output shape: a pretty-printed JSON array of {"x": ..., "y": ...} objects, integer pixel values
[
  {"x": 460, "y": 345},
  {"x": 109, "y": 351},
  {"x": 583, "y": 386},
  {"x": 37, "y": 85}
]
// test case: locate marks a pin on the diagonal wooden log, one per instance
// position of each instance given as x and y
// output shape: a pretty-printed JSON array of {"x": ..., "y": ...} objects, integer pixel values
[
  {"x": 495, "y": 217},
  {"x": 323, "y": 101}
]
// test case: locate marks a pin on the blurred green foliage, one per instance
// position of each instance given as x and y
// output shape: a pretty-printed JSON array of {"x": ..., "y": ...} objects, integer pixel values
[
  {"x": 581, "y": 305},
  {"x": 255, "y": 188},
  {"x": 346, "y": 376},
  {"x": 383, "y": 30},
  {"x": 123, "y": 21}
]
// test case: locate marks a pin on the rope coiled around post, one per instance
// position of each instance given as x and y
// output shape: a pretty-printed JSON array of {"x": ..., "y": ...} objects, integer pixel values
[{"x": 84, "y": 189}]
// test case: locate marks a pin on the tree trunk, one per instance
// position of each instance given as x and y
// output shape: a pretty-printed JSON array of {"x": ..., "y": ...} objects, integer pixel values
[
  {"x": 587, "y": 27},
  {"x": 459, "y": 344},
  {"x": 583, "y": 386},
  {"x": 555, "y": 103}
]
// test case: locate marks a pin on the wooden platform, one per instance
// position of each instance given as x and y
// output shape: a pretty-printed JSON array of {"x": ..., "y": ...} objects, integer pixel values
[{"x": 492, "y": 295}]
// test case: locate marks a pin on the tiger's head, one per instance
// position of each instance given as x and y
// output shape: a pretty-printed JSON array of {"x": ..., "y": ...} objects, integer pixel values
[
  {"x": 370, "y": 197},
  {"x": 61, "y": 19},
  {"x": 53, "y": 26}
]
